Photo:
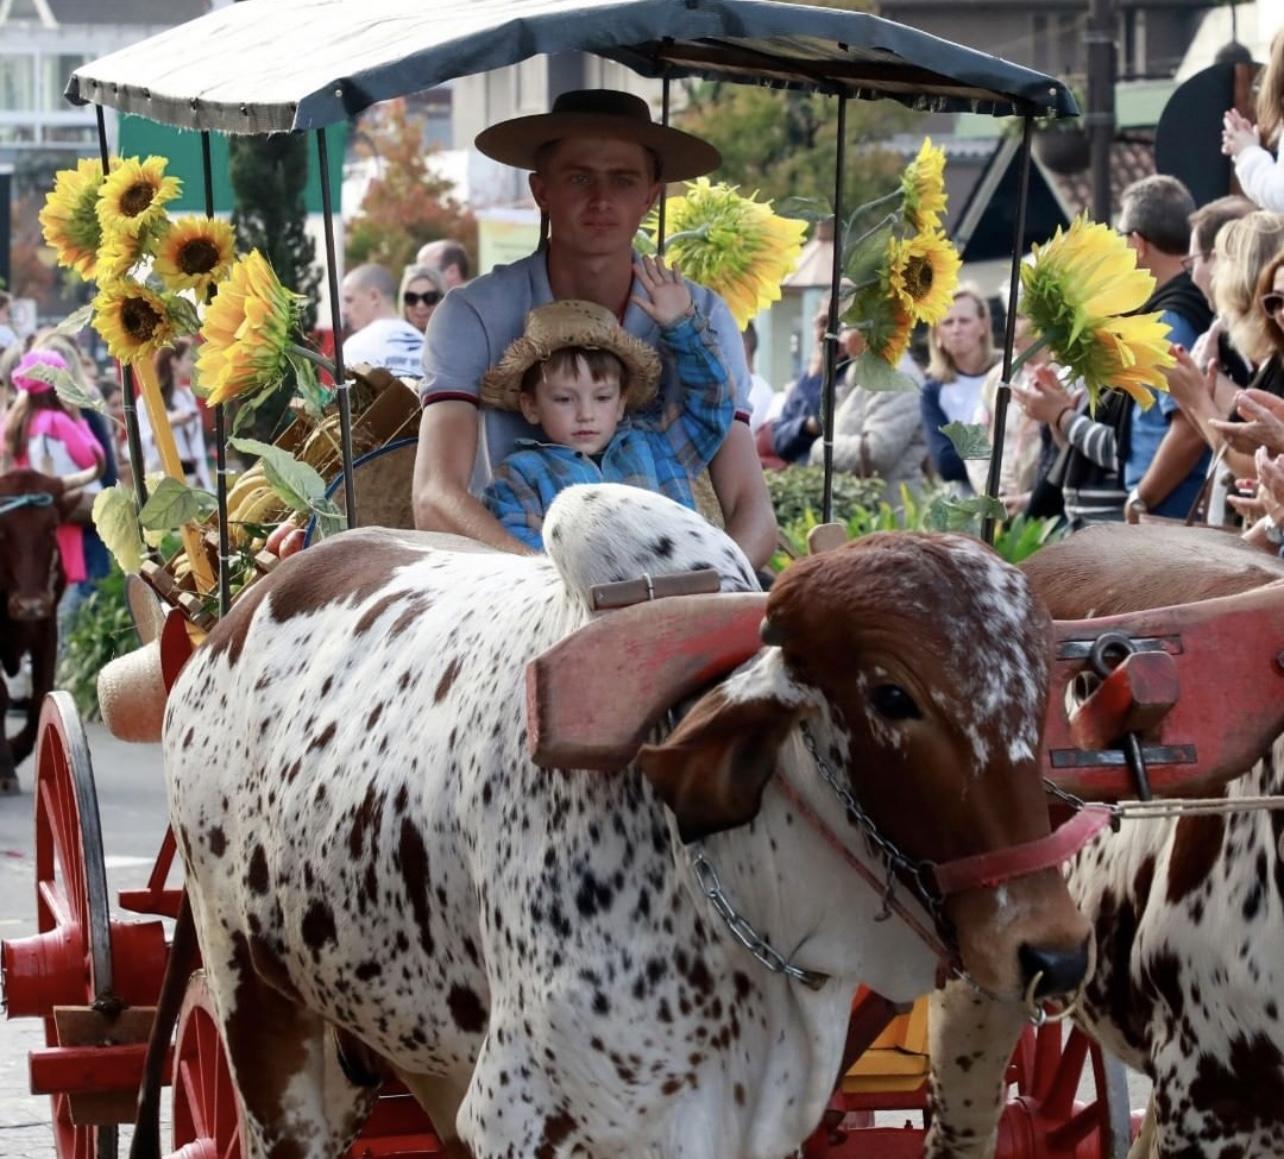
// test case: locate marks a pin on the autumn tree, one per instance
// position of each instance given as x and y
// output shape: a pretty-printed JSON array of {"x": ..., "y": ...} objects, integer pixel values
[{"x": 406, "y": 205}]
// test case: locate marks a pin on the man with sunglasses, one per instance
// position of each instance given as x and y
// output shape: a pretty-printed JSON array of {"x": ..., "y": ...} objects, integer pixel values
[{"x": 379, "y": 335}]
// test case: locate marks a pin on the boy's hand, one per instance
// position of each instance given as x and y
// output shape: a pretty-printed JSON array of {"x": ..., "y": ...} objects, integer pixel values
[{"x": 669, "y": 299}]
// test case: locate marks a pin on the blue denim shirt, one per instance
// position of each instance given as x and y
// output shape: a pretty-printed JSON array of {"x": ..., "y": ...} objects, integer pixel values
[{"x": 662, "y": 448}]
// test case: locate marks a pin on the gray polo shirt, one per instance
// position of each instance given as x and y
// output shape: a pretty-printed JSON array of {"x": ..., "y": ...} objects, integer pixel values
[{"x": 474, "y": 324}]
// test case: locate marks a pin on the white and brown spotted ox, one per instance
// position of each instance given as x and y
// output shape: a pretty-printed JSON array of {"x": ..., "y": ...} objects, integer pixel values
[
  {"x": 1188, "y": 914},
  {"x": 369, "y": 846},
  {"x": 31, "y": 584}
]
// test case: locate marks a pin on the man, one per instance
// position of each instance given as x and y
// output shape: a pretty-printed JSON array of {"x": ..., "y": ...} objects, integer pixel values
[
  {"x": 1164, "y": 457},
  {"x": 597, "y": 161},
  {"x": 380, "y": 336},
  {"x": 448, "y": 258},
  {"x": 1153, "y": 461}
]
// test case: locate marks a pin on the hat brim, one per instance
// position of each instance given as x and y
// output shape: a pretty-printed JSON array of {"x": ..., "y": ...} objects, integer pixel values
[
  {"x": 502, "y": 384},
  {"x": 683, "y": 157}
]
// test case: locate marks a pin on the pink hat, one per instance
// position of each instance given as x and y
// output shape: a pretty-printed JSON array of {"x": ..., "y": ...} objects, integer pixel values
[{"x": 36, "y": 358}]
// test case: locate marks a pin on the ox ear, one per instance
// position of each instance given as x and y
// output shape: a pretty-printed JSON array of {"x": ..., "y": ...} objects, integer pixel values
[{"x": 713, "y": 768}]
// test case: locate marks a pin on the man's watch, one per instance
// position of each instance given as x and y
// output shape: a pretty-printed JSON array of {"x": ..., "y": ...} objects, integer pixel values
[
  {"x": 1136, "y": 503},
  {"x": 1274, "y": 534}
]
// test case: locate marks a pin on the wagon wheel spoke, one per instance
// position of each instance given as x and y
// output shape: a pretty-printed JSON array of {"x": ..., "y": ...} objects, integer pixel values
[{"x": 205, "y": 1110}]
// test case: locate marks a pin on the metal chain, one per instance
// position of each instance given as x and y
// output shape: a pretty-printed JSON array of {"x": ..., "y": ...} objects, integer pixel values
[
  {"x": 742, "y": 929},
  {"x": 919, "y": 872},
  {"x": 28, "y": 499}
]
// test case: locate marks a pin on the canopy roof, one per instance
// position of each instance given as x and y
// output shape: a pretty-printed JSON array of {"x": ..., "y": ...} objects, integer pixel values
[{"x": 263, "y": 66}]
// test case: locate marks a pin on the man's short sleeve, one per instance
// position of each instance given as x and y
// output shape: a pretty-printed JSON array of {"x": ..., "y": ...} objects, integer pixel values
[
  {"x": 733, "y": 352},
  {"x": 456, "y": 352}
]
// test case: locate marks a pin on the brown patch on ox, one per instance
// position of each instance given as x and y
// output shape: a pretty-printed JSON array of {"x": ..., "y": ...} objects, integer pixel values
[
  {"x": 557, "y": 1129},
  {"x": 271, "y": 967},
  {"x": 349, "y": 568},
  {"x": 375, "y": 610},
  {"x": 318, "y": 926},
  {"x": 1245, "y": 1095},
  {"x": 230, "y": 632},
  {"x": 467, "y": 1009},
  {"x": 256, "y": 876},
  {"x": 1197, "y": 845},
  {"x": 447, "y": 680},
  {"x": 267, "y": 1045},
  {"x": 413, "y": 857}
]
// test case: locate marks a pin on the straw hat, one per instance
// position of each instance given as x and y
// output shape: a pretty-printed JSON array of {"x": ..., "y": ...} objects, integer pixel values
[
  {"x": 572, "y": 323},
  {"x": 131, "y": 688},
  {"x": 604, "y": 113}
]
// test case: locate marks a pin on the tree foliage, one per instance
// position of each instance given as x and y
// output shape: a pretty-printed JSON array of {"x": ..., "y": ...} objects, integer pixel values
[
  {"x": 269, "y": 175},
  {"x": 407, "y": 205},
  {"x": 782, "y": 144}
]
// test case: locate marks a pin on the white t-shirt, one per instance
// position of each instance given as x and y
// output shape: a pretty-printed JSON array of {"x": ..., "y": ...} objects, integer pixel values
[
  {"x": 959, "y": 399},
  {"x": 392, "y": 343},
  {"x": 761, "y": 396},
  {"x": 189, "y": 437}
]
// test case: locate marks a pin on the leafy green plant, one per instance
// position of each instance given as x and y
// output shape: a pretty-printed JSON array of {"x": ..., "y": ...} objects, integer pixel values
[
  {"x": 796, "y": 490},
  {"x": 100, "y": 630},
  {"x": 1015, "y": 539}
]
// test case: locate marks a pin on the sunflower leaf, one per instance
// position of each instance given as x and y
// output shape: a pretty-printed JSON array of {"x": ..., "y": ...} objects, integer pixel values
[
  {"x": 329, "y": 518},
  {"x": 66, "y": 387},
  {"x": 76, "y": 321},
  {"x": 246, "y": 407},
  {"x": 116, "y": 518},
  {"x": 173, "y": 504},
  {"x": 183, "y": 314},
  {"x": 307, "y": 386},
  {"x": 874, "y": 374},
  {"x": 970, "y": 440},
  {"x": 298, "y": 484}
]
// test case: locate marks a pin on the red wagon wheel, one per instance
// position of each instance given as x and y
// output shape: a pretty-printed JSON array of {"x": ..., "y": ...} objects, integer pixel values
[
  {"x": 207, "y": 1114},
  {"x": 71, "y": 889},
  {"x": 1043, "y": 1117}
]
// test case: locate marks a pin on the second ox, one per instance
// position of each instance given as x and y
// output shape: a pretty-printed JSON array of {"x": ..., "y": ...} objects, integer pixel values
[{"x": 370, "y": 849}]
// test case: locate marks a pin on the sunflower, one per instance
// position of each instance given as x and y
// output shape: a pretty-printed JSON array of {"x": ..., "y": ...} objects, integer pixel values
[
  {"x": 196, "y": 254},
  {"x": 247, "y": 331},
  {"x": 134, "y": 196},
  {"x": 882, "y": 318},
  {"x": 133, "y": 321},
  {"x": 1073, "y": 291},
  {"x": 923, "y": 185},
  {"x": 733, "y": 244},
  {"x": 69, "y": 219},
  {"x": 121, "y": 250},
  {"x": 923, "y": 274}
]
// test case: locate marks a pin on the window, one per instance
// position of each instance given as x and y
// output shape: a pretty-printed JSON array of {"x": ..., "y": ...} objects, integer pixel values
[
  {"x": 57, "y": 70},
  {"x": 17, "y": 83}
]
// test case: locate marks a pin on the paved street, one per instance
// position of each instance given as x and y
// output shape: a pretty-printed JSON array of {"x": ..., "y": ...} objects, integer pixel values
[{"x": 132, "y": 805}]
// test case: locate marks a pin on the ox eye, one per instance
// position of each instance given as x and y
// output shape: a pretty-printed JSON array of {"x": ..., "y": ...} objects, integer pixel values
[{"x": 893, "y": 702}]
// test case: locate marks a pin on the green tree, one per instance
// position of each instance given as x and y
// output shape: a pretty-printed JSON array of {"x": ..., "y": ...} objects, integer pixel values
[
  {"x": 269, "y": 175},
  {"x": 406, "y": 206}
]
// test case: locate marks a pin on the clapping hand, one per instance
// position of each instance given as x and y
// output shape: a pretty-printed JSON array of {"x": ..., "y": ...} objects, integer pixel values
[
  {"x": 1043, "y": 397},
  {"x": 1238, "y": 133},
  {"x": 1263, "y": 424},
  {"x": 1186, "y": 383},
  {"x": 668, "y": 300}
]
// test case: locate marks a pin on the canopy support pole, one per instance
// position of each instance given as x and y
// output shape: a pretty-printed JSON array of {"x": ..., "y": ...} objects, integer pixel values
[
  {"x": 664, "y": 120},
  {"x": 220, "y": 429},
  {"x": 134, "y": 438},
  {"x": 336, "y": 321},
  {"x": 831, "y": 337},
  {"x": 1004, "y": 394}
]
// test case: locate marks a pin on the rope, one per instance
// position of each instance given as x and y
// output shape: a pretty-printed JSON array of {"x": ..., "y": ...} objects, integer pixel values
[
  {"x": 31, "y": 499},
  {"x": 1194, "y": 806}
]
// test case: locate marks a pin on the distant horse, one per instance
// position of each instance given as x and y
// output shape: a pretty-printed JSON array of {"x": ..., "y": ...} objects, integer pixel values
[{"x": 32, "y": 506}]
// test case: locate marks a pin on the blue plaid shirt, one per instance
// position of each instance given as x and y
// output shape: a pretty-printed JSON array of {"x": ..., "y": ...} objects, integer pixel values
[{"x": 661, "y": 448}]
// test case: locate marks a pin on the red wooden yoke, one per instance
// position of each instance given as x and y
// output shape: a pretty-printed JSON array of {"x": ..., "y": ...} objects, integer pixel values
[{"x": 1204, "y": 689}]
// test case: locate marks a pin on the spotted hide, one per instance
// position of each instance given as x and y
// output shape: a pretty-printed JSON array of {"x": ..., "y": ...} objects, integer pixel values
[
  {"x": 369, "y": 847},
  {"x": 1189, "y": 914}
]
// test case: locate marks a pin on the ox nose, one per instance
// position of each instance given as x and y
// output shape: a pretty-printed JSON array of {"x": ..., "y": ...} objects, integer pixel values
[
  {"x": 29, "y": 608},
  {"x": 1063, "y": 971}
]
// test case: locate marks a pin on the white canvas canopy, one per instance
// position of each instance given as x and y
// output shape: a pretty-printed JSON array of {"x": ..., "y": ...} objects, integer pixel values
[{"x": 264, "y": 66}]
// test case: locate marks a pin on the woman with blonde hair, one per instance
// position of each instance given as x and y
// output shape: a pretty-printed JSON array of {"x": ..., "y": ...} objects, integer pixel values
[
  {"x": 1260, "y": 174},
  {"x": 962, "y": 352},
  {"x": 422, "y": 288}
]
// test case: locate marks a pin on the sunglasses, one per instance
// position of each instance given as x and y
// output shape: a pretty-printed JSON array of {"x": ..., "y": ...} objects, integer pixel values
[
  {"x": 431, "y": 298},
  {"x": 1273, "y": 303}
]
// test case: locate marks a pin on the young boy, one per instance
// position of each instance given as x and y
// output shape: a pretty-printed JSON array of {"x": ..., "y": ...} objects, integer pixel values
[{"x": 577, "y": 374}]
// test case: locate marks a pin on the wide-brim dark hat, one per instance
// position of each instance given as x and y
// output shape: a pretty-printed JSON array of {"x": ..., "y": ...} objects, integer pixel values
[{"x": 599, "y": 113}]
